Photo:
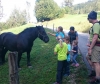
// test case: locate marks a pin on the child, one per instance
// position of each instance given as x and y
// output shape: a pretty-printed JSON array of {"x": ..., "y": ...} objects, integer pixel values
[
  {"x": 59, "y": 33},
  {"x": 67, "y": 41},
  {"x": 75, "y": 53},
  {"x": 61, "y": 50}
]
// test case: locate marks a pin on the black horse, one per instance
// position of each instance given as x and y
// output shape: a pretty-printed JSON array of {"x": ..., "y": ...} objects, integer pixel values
[{"x": 21, "y": 42}]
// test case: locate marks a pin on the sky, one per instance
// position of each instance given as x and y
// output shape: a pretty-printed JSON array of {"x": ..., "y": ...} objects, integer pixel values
[
  {"x": 75, "y": 1},
  {"x": 9, "y": 5}
]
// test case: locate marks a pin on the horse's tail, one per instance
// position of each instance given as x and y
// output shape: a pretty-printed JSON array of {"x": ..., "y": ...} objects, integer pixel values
[{"x": 2, "y": 36}]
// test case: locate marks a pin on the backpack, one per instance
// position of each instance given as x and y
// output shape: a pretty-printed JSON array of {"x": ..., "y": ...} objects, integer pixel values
[{"x": 92, "y": 29}]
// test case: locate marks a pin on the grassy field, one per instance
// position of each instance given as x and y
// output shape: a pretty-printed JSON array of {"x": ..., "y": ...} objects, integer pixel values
[
  {"x": 44, "y": 65},
  {"x": 78, "y": 21}
]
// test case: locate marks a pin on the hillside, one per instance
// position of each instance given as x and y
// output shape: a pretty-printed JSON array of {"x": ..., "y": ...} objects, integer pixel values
[{"x": 79, "y": 21}]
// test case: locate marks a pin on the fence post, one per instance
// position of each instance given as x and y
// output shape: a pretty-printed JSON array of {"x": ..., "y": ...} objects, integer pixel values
[
  {"x": 56, "y": 29},
  {"x": 46, "y": 24},
  {"x": 53, "y": 27},
  {"x": 13, "y": 68}
]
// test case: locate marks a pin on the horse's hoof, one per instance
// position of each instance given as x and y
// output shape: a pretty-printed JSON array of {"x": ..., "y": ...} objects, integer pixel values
[{"x": 29, "y": 66}]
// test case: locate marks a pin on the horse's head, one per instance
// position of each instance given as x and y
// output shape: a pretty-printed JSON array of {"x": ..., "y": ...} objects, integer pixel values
[{"x": 42, "y": 34}]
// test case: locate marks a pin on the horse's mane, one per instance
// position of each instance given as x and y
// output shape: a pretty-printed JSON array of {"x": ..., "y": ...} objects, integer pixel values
[{"x": 29, "y": 29}]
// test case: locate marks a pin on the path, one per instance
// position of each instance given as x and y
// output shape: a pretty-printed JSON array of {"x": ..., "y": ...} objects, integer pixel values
[{"x": 83, "y": 39}]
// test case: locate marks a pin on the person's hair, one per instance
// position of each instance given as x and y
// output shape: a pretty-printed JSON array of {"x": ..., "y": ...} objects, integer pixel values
[
  {"x": 60, "y": 41},
  {"x": 61, "y": 44},
  {"x": 67, "y": 38},
  {"x": 61, "y": 29},
  {"x": 75, "y": 42},
  {"x": 72, "y": 28},
  {"x": 92, "y": 15}
]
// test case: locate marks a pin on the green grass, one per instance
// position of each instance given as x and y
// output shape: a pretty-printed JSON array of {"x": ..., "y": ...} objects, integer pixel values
[
  {"x": 81, "y": 73},
  {"x": 44, "y": 65},
  {"x": 78, "y": 75},
  {"x": 43, "y": 61},
  {"x": 78, "y": 21}
]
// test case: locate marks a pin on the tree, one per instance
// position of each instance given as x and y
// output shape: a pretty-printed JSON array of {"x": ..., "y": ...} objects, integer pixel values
[
  {"x": 67, "y": 10},
  {"x": 28, "y": 8},
  {"x": 88, "y": 6},
  {"x": 17, "y": 18},
  {"x": 47, "y": 10},
  {"x": 68, "y": 3}
]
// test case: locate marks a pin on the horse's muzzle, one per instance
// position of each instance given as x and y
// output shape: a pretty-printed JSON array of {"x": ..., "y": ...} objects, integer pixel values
[{"x": 46, "y": 39}]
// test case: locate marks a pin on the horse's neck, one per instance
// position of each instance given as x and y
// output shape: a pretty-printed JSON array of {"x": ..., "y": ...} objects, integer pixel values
[
  {"x": 35, "y": 33},
  {"x": 31, "y": 34}
]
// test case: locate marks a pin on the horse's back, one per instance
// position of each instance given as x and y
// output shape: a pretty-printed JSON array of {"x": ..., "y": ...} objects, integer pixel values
[
  {"x": 7, "y": 35},
  {"x": 20, "y": 42},
  {"x": 3, "y": 36}
]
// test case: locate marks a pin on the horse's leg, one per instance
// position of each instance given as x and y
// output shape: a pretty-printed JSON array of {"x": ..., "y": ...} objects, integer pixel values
[
  {"x": 28, "y": 58},
  {"x": 19, "y": 58},
  {"x": 3, "y": 54}
]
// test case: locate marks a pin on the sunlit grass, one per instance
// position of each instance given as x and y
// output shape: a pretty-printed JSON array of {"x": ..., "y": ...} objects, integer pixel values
[
  {"x": 80, "y": 22},
  {"x": 18, "y": 29}
]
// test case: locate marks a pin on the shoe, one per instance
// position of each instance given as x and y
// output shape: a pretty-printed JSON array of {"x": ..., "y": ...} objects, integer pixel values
[
  {"x": 92, "y": 74},
  {"x": 76, "y": 65},
  {"x": 94, "y": 81},
  {"x": 56, "y": 83}
]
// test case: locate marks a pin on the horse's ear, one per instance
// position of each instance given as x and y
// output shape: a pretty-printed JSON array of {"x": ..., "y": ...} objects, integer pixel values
[{"x": 36, "y": 26}]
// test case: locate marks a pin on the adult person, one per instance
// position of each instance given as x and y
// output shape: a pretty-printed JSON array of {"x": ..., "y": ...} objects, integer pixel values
[
  {"x": 94, "y": 49},
  {"x": 92, "y": 71},
  {"x": 73, "y": 35}
]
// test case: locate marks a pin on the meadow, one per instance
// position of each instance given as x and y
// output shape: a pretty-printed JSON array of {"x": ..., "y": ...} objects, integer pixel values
[
  {"x": 44, "y": 64},
  {"x": 79, "y": 21}
]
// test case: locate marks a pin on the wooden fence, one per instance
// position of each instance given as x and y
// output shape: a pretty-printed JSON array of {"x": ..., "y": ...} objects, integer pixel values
[{"x": 13, "y": 68}]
